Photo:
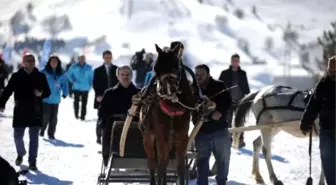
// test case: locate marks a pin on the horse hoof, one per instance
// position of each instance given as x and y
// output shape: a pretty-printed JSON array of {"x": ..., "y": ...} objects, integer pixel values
[
  {"x": 258, "y": 179},
  {"x": 278, "y": 183}
]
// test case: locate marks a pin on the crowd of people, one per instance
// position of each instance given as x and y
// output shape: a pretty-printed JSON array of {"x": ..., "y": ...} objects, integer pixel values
[{"x": 37, "y": 95}]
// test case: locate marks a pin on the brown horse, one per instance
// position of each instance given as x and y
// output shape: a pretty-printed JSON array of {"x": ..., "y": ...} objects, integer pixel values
[{"x": 165, "y": 117}]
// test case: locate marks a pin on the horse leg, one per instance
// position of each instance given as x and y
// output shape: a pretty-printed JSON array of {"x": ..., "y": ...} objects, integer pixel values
[
  {"x": 321, "y": 181},
  {"x": 257, "y": 144},
  {"x": 148, "y": 141},
  {"x": 180, "y": 155},
  {"x": 267, "y": 136},
  {"x": 162, "y": 147}
]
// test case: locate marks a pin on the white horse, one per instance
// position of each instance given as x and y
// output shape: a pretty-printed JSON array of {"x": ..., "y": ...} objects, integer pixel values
[{"x": 272, "y": 105}]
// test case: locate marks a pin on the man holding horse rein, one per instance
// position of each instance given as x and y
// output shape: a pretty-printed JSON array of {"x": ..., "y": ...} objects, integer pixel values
[
  {"x": 214, "y": 134},
  {"x": 322, "y": 103}
]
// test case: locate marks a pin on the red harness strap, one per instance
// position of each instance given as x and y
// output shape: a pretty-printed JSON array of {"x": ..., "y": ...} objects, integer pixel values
[{"x": 170, "y": 111}]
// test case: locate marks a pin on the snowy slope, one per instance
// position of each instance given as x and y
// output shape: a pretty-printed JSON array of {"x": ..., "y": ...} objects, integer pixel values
[
  {"x": 154, "y": 22},
  {"x": 73, "y": 158}
]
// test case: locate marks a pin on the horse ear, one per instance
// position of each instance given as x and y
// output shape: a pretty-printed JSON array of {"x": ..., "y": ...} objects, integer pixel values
[
  {"x": 175, "y": 50},
  {"x": 158, "y": 49}
]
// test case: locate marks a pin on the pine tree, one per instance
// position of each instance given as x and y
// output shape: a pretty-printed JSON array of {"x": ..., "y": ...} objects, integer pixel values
[{"x": 328, "y": 42}]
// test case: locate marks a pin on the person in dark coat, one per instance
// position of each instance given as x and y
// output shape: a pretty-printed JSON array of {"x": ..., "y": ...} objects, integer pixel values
[
  {"x": 214, "y": 134},
  {"x": 235, "y": 76},
  {"x": 3, "y": 74},
  {"x": 30, "y": 87},
  {"x": 72, "y": 61},
  {"x": 58, "y": 84},
  {"x": 115, "y": 103},
  {"x": 104, "y": 77},
  {"x": 141, "y": 66},
  {"x": 322, "y": 103}
]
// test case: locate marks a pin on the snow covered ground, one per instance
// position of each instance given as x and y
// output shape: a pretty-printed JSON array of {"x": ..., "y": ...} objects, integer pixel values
[{"x": 73, "y": 158}]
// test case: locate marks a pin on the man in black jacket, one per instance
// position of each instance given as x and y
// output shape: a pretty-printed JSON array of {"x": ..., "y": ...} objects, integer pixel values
[
  {"x": 104, "y": 77},
  {"x": 214, "y": 134},
  {"x": 30, "y": 87},
  {"x": 115, "y": 103},
  {"x": 322, "y": 103},
  {"x": 235, "y": 76}
]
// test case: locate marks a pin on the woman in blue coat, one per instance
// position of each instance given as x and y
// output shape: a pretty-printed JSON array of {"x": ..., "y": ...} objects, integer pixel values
[{"x": 58, "y": 85}]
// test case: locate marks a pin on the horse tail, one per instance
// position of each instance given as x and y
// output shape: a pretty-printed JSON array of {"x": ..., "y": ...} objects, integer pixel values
[{"x": 242, "y": 109}]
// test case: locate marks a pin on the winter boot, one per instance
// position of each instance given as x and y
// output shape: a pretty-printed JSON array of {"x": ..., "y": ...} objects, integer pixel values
[{"x": 18, "y": 160}]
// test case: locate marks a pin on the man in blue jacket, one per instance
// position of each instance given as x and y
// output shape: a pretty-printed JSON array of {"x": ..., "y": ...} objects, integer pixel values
[
  {"x": 58, "y": 84},
  {"x": 81, "y": 77}
]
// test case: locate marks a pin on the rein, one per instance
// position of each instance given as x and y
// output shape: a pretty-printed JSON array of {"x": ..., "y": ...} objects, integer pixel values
[{"x": 199, "y": 105}]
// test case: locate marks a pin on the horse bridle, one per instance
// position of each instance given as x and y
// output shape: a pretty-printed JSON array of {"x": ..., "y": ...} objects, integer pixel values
[{"x": 158, "y": 85}]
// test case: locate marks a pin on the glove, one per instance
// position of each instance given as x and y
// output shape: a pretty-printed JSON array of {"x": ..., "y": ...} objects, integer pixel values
[
  {"x": 63, "y": 96},
  {"x": 305, "y": 128}
]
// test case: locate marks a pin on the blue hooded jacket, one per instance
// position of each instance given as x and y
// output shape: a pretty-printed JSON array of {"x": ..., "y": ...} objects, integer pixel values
[
  {"x": 57, "y": 83},
  {"x": 81, "y": 77}
]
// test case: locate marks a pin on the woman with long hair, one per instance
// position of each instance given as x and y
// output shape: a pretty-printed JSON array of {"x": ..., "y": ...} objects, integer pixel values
[{"x": 58, "y": 84}]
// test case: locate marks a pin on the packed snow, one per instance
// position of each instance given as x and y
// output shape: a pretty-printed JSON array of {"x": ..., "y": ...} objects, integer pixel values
[{"x": 211, "y": 34}]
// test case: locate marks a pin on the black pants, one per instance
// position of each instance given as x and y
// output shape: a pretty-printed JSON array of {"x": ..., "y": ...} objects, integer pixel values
[
  {"x": 80, "y": 96},
  {"x": 70, "y": 89},
  {"x": 98, "y": 129},
  {"x": 50, "y": 112},
  {"x": 106, "y": 144},
  {"x": 230, "y": 119}
]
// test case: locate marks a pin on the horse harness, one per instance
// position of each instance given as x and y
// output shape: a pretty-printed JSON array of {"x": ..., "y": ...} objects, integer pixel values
[{"x": 288, "y": 106}]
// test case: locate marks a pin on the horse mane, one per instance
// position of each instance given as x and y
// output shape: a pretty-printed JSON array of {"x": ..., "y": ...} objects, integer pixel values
[{"x": 166, "y": 62}]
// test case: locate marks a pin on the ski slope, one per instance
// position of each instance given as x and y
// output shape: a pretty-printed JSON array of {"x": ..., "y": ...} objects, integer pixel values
[{"x": 73, "y": 158}]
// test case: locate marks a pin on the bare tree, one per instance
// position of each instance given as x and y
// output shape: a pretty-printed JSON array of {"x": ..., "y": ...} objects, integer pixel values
[{"x": 328, "y": 42}]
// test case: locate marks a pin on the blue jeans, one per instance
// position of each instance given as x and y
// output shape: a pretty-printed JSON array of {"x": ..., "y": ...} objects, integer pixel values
[
  {"x": 327, "y": 150},
  {"x": 33, "y": 142},
  {"x": 219, "y": 143}
]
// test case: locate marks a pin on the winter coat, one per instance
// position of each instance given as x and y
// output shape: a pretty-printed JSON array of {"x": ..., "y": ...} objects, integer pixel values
[
  {"x": 57, "y": 83},
  {"x": 116, "y": 100},
  {"x": 100, "y": 81},
  {"x": 148, "y": 77},
  {"x": 81, "y": 77},
  {"x": 321, "y": 103},
  {"x": 28, "y": 107},
  {"x": 223, "y": 102},
  {"x": 226, "y": 77}
]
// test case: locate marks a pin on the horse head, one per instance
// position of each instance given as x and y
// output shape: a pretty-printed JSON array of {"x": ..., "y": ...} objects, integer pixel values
[{"x": 167, "y": 68}]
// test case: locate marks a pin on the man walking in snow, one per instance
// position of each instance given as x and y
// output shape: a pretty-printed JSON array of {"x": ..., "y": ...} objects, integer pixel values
[
  {"x": 104, "y": 77},
  {"x": 80, "y": 76},
  {"x": 30, "y": 87},
  {"x": 322, "y": 103},
  {"x": 235, "y": 76}
]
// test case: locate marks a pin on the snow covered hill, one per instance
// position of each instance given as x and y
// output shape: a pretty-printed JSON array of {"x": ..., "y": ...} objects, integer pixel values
[{"x": 220, "y": 31}]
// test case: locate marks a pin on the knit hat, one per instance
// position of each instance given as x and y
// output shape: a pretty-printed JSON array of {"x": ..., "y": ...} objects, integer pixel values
[{"x": 332, "y": 63}]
